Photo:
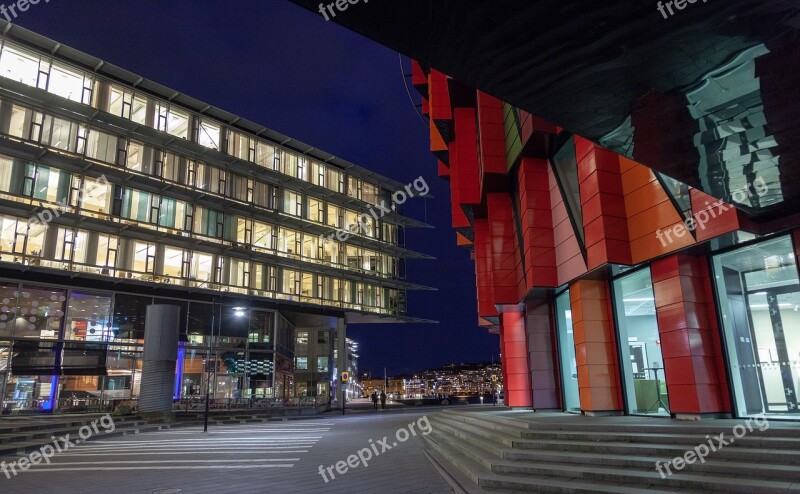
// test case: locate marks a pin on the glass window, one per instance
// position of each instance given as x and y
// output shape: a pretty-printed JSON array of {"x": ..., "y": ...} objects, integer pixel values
[
  {"x": 178, "y": 123},
  {"x": 88, "y": 317},
  {"x": 759, "y": 293},
  {"x": 565, "y": 166},
  {"x": 67, "y": 83},
  {"x": 301, "y": 363},
  {"x": 642, "y": 363},
  {"x": 96, "y": 195},
  {"x": 209, "y": 134},
  {"x": 302, "y": 338},
  {"x": 293, "y": 203},
  {"x": 322, "y": 364},
  {"x": 102, "y": 146},
  {"x": 173, "y": 262},
  {"x": 202, "y": 267},
  {"x": 566, "y": 348},
  {"x": 19, "y": 65}
]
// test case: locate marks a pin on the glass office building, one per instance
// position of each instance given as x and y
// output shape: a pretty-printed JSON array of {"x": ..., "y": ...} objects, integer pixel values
[{"x": 117, "y": 193}]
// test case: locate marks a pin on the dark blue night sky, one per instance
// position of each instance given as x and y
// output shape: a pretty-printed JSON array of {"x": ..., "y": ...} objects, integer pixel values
[{"x": 276, "y": 64}]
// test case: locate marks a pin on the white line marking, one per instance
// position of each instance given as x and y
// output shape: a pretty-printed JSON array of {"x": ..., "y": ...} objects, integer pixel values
[{"x": 176, "y": 467}]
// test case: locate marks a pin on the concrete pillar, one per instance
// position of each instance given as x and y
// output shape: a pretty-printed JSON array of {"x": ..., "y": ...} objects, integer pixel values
[
  {"x": 158, "y": 360},
  {"x": 341, "y": 359}
]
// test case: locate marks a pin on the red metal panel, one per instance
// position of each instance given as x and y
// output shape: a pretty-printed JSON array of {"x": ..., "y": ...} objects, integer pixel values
[
  {"x": 536, "y": 219},
  {"x": 464, "y": 158},
  {"x": 715, "y": 220},
  {"x": 690, "y": 346},
  {"x": 598, "y": 370},
  {"x": 602, "y": 198},
  {"x": 516, "y": 380},
  {"x": 503, "y": 263},
  {"x": 439, "y": 96},
  {"x": 492, "y": 134},
  {"x": 483, "y": 269}
]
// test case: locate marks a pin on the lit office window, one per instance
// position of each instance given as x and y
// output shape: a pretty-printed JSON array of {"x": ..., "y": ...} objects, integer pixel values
[
  {"x": 208, "y": 134},
  {"x": 265, "y": 155},
  {"x": 88, "y": 317},
  {"x": 19, "y": 65},
  {"x": 69, "y": 83},
  {"x": 301, "y": 363},
  {"x": 174, "y": 259},
  {"x": 293, "y": 203},
  {"x": 291, "y": 282},
  {"x": 62, "y": 134},
  {"x": 264, "y": 236},
  {"x": 302, "y": 338},
  {"x": 96, "y": 195},
  {"x": 323, "y": 364},
  {"x": 289, "y": 163},
  {"x": 102, "y": 146},
  {"x": 144, "y": 257},
  {"x": 178, "y": 123},
  {"x": 202, "y": 267},
  {"x": 316, "y": 210}
]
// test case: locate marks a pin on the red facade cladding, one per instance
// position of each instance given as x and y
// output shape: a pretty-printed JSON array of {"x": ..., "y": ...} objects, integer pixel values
[
  {"x": 605, "y": 221},
  {"x": 712, "y": 216},
  {"x": 516, "y": 376},
  {"x": 690, "y": 342},
  {"x": 503, "y": 261},
  {"x": 439, "y": 97},
  {"x": 492, "y": 134},
  {"x": 483, "y": 269},
  {"x": 536, "y": 218},
  {"x": 540, "y": 329},
  {"x": 465, "y": 177}
]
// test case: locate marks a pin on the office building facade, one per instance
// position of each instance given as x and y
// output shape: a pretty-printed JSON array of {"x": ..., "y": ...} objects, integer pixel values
[{"x": 117, "y": 193}]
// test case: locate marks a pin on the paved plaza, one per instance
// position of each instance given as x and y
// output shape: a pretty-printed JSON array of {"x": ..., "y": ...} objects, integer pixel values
[{"x": 280, "y": 456}]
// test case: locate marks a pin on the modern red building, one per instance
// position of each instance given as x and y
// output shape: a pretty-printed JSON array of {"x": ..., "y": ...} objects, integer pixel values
[
  {"x": 615, "y": 288},
  {"x": 628, "y": 185}
]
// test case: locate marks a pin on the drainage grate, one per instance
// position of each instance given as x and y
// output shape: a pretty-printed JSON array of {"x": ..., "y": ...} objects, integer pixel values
[{"x": 167, "y": 491}]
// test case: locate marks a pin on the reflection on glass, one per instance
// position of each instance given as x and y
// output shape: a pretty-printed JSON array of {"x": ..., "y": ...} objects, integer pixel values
[
  {"x": 640, "y": 343},
  {"x": 566, "y": 348},
  {"x": 760, "y": 305}
]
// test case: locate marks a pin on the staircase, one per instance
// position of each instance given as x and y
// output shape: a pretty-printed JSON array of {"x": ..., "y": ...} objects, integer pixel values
[{"x": 501, "y": 451}]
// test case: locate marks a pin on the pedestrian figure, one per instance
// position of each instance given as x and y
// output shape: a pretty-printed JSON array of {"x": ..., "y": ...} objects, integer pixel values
[
  {"x": 383, "y": 400},
  {"x": 375, "y": 400}
]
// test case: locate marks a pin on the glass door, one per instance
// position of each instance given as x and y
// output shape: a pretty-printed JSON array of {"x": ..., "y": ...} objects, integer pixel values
[
  {"x": 566, "y": 352},
  {"x": 759, "y": 294},
  {"x": 640, "y": 345}
]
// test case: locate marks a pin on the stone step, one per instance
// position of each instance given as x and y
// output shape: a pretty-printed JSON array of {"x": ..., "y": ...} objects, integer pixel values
[
  {"x": 751, "y": 439},
  {"x": 515, "y": 474},
  {"x": 653, "y": 425},
  {"x": 484, "y": 480},
  {"x": 508, "y": 446}
]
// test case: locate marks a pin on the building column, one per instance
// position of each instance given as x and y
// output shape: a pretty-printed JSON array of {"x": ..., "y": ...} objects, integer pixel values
[
  {"x": 341, "y": 361},
  {"x": 540, "y": 329},
  {"x": 595, "y": 348},
  {"x": 690, "y": 341},
  {"x": 516, "y": 373},
  {"x": 160, "y": 354}
]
